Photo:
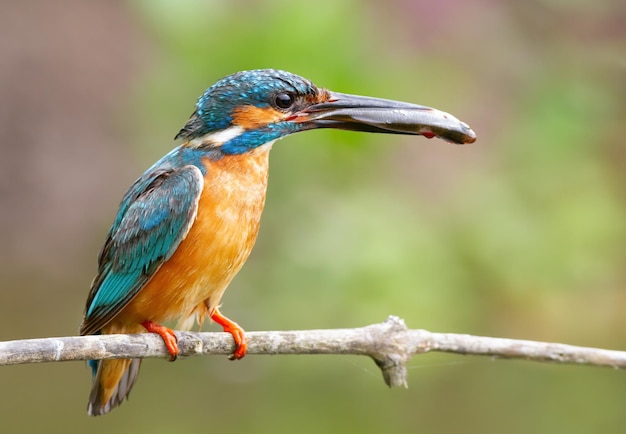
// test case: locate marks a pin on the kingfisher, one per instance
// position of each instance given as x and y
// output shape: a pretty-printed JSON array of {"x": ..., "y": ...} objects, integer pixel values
[{"x": 187, "y": 225}]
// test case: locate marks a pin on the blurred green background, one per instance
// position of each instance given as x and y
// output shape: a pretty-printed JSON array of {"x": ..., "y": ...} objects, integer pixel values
[{"x": 519, "y": 235}]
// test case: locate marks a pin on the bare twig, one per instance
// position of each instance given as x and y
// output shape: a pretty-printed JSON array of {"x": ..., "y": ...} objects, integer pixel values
[{"x": 391, "y": 344}]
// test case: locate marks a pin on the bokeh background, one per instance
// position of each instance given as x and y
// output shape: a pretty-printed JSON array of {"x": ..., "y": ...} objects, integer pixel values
[{"x": 519, "y": 235}]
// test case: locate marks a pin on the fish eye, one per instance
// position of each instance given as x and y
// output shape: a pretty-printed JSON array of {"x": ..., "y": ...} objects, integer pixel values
[{"x": 284, "y": 101}]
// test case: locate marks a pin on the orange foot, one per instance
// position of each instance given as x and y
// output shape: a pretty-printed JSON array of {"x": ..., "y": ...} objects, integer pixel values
[
  {"x": 167, "y": 334},
  {"x": 239, "y": 335}
]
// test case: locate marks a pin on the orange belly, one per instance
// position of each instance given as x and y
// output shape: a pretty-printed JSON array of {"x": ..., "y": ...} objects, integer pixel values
[{"x": 192, "y": 281}]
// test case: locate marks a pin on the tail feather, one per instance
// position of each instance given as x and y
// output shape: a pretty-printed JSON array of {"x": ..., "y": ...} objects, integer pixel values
[{"x": 112, "y": 383}]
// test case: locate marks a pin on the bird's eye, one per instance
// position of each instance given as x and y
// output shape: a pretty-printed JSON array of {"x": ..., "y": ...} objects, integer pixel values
[{"x": 284, "y": 100}]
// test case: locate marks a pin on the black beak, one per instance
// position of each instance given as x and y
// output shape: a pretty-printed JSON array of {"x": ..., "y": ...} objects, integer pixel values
[{"x": 375, "y": 115}]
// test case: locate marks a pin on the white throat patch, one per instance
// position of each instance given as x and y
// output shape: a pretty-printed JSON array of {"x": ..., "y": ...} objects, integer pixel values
[{"x": 216, "y": 138}]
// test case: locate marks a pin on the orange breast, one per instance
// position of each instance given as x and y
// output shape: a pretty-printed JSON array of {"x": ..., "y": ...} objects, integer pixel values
[{"x": 216, "y": 247}]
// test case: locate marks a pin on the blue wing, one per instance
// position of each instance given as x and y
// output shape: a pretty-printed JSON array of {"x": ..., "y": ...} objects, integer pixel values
[{"x": 154, "y": 217}]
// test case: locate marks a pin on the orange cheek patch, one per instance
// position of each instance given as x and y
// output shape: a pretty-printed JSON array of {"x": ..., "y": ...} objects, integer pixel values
[{"x": 251, "y": 117}]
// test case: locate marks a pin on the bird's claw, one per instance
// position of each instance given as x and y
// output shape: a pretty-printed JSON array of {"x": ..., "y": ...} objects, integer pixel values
[
  {"x": 238, "y": 334},
  {"x": 241, "y": 343},
  {"x": 167, "y": 334}
]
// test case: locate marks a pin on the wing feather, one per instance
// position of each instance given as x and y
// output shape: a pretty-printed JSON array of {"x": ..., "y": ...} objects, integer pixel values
[{"x": 154, "y": 217}]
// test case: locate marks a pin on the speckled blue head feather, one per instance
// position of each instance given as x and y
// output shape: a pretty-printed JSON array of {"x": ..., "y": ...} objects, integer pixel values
[{"x": 231, "y": 102}]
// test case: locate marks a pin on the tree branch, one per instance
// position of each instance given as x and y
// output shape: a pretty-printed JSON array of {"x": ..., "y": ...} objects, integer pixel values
[{"x": 391, "y": 344}]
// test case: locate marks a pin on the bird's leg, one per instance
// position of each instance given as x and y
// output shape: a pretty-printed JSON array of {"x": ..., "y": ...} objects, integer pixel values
[
  {"x": 239, "y": 335},
  {"x": 167, "y": 334}
]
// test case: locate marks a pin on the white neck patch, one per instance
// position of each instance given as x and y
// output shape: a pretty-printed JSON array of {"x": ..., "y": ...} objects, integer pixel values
[{"x": 216, "y": 138}]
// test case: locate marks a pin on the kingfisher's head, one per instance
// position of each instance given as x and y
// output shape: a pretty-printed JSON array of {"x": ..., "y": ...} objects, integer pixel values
[{"x": 251, "y": 108}]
